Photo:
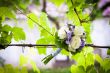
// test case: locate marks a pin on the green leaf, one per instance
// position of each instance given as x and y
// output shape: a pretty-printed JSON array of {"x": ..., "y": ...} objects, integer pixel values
[
  {"x": 35, "y": 68},
  {"x": 69, "y": 4},
  {"x": 106, "y": 64},
  {"x": 79, "y": 58},
  {"x": 9, "y": 68},
  {"x": 57, "y": 3},
  {"x": 98, "y": 59},
  {"x": 71, "y": 15},
  {"x": 44, "y": 33},
  {"x": 30, "y": 23},
  {"x": 101, "y": 70},
  {"x": 16, "y": 69},
  {"x": 65, "y": 52},
  {"x": 77, "y": 69},
  {"x": 1, "y": 70},
  {"x": 45, "y": 39},
  {"x": 91, "y": 69},
  {"x": 60, "y": 43},
  {"x": 43, "y": 21},
  {"x": 73, "y": 69},
  {"x": 84, "y": 58},
  {"x": 108, "y": 52},
  {"x": 24, "y": 70},
  {"x": 31, "y": 18},
  {"x": 42, "y": 50},
  {"x": 90, "y": 59},
  {"x": 7, "y": 12},
  {"x": 42, "y": 40},
  {"x": 23, "y": 60},
  {"x": 108, "y": 71},
  {"x": 6, "y": 35},
  {"x": 87, "y": 50},
  {"x": 45, "y": 36},
  {"x": 53, "y": 30},
  {"x": 87, "y": 30},
  {"x": 75, "y": 3},
  {"x": 6, "y": 28},
  {"x": 18, "y": 33}
]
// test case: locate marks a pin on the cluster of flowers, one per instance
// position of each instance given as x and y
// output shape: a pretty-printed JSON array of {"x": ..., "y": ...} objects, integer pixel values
[
  {"x": 73, "y": 36},
  {"x": 69, "y": 37}
]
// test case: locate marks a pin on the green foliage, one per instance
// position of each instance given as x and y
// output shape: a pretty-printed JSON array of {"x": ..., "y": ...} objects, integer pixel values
[
  {"x": 77, "y": 69},
  {"x": 23, "y": 4},
  {"x": 5, "y": 35},
  {"x": 45, "y": 37},
  {"x": 91, "y": 69},
  {"x": 7, "y": 32},
  {"x": 18, "y": 33},
  {"x": 87, "y": 62},
  {"x": 1, "y": 70},
  {"x": 35, "y": 67},
  {"x": 87, "y": 30},
  {"x": 6, "y": 12},
  {"x": 8, "y": 68},
  {"x": 98, "y": 58},
  {"x": 33, "y": 17},
  {"x": 84, "y": 58},
  {"x": 73, "y": 17},
  {"x": 56, "y": 2},
  {"x": 78, "y": 17},
  {"x": 56, "y": 70},
  {"x": 65, "y": 52},
  {"x": 91, "y": 1},
  {"x": 108, "y": 52},
  {"x": 43, "y": 20},
  {"x": 103, "y": 66},
  {"x": 106, "y": 64},
  {"x": 25, "y": 60},
  {"x": 60, "y": 43}
]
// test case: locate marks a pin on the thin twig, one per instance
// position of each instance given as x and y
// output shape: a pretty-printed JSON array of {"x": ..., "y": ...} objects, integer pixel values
[
  {"x": 80, "y": 20},
  {"x": 50, "y": 45},
  {"x": 35, "y": 22},
  {"x": 78, "y": 16},
  {"x": 50, "y": 17},
  {"x": 30, "y": 45},
  {"x": 96, "y": 46}
]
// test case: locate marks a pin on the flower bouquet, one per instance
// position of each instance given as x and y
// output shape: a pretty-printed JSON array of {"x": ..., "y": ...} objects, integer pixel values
[{"x": 70, "y": 38}]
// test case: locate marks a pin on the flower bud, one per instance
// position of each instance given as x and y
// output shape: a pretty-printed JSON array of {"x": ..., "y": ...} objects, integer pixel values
[
  {"x": 78, "y": 31},
  {"x": 62, "y": 32},
  {"x": 75, "y": 43}
]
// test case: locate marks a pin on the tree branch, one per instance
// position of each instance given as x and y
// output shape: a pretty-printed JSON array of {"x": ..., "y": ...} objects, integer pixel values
[
  {"x": 34, "y": 21},
  {"x": 78, "y": 16},
  {"x": 51, "y": 18},
  {"x": 50, "y": 45}
]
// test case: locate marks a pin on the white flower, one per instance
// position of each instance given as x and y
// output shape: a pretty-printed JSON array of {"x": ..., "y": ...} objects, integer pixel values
[
  {"x": 75, "y": 43},
  {"x": 62, "y": 32},
  {"x": 78, "y": 31}
]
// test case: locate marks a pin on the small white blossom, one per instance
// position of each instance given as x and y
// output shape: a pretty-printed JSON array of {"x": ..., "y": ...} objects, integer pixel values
[
  {"x": 62, "y": 32},
  {"x": 78, "y": 31},
  {"x": 74, "y": 43}
]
